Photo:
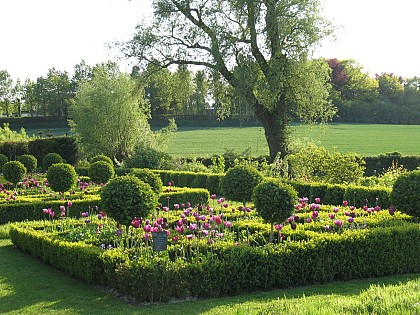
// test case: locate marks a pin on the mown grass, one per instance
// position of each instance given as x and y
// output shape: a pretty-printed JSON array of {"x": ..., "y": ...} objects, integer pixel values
[
  {"x": 27, "y": 286},
  {"x": 364, "y": 139}
]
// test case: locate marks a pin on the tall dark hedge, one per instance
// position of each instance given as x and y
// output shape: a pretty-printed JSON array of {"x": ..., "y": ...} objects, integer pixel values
[{"x": 65, "y": 146}]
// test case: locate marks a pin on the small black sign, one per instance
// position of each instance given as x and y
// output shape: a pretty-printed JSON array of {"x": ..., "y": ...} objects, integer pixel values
[{"x": 160, "y": 241}]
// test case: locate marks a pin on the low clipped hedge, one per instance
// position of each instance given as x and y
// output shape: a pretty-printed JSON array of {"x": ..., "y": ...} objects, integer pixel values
[
  {"x": 231, "y": 269},
  {"x": 18, "y": 212}
]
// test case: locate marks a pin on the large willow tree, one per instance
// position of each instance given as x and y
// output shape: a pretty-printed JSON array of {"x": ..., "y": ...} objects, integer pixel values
[{"x": 260, "y": 47}]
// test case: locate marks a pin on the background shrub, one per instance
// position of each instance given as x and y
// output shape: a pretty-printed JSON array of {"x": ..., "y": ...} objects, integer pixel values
[
  {"x": 14, "y": 171},
  {"x": 405, "y": 194},
  {"x": 274, "y": 201},
  {"x": 61, "y": 177},
  {"x": 3, "y": 160},
  {"x": 239, "y": 182},
  {"x": 144, "y": 157},
  {"x": 126, "y": 197},
  {"x": 50, "y": 159},
  {"x": 101, "y": 171},
  {"x": 101, "y": 157},
  {"x": 150, "y": 178},
  {"x": 29, "y": 161}
]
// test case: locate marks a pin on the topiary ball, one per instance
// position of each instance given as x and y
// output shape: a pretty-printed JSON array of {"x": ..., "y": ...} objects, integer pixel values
[
  {"x": 50, "y": 159},
  {"x": 101, "y": 171},
  {"x": 3, "y": 160},
  {"x": 14, "y": 171},
  {"x": 239, "y": 182},
  {"x": 61, "y": 177},
  {"x": 405, "y": 195},
  {"x": 148, "y": 177},
  {"x": 29, "y": 161},
  {"x": 274, "y": 201},
  {"x": 101, "y": 157},
  {"x": 127, "y": 197}
]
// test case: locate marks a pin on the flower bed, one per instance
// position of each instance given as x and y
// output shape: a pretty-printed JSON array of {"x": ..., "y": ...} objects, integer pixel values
[{"x": 215, "y": 250}]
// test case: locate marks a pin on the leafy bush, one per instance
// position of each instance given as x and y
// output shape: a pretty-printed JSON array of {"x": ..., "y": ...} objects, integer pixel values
[
  {"x": 3, "y": 160},
  {"x": 61, "y": 177},
  {"x": 313, "y": 163},
  {"x": 101, "y": 171},
  {"x": 405, "y": 194},
  {"x": 126, "y": 197},
  {"x": 149, "y": 177},
  {"x": 101, "y": 157},
  {"x": 14, "y": 171},
  {"x": 239, "y": 182},
  {"x": 144, "y": 157},
  {"x": 29, "y": 161},
  {"x": 50, "y": 159},
  {"x": 274, "y": 201}
]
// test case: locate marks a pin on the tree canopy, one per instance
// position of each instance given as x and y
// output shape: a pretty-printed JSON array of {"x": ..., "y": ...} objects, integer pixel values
[
  {"x": 108, "y": 115},
  {"x": 260, "y": 47}
]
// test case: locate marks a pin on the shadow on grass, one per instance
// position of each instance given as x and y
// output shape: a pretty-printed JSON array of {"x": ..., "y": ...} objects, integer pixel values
[{"x": 29, "y": 286}]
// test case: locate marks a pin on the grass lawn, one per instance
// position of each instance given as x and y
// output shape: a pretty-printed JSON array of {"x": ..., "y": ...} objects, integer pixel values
[
  {"x": 27, "y": 286},
  {"x": 364, "y": 139}
]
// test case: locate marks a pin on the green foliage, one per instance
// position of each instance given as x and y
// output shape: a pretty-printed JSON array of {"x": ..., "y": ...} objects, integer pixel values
[
  {"x": 274, "y": 201},
  {"x": 61, "y": 177},
  {"x": 147, "y": 157},
  {"x": 78, "y": 259},
  {"x": 29, "y": 161},
  {"x": 101, "y": 157},
  {"x": 3, "y": 160},
  {"x": 50, "y": 159},
  {"x": 239, "y": 182},
  {"x": 358, "y": 195},
  {"x": 233, "y": 269},
  {"x": 101, "y": 171},
  {"x": 16, "y": 212},
  {"x": 8, "y": 135},
  {"x": 14, "y": 149},
  {"x": 109, "y": 114},
  {"x": 126, "y": 197},
  {"x": 405, "y": 194},
  {"x": 314, "y": 163},
  {"x": 148, "y": 177},
  {"x": 14, "y": 171},
  {"x": 65, "y": 146}
]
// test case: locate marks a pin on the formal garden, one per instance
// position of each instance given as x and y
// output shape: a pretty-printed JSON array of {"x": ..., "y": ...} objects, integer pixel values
[{"x": 160, "y": 235}]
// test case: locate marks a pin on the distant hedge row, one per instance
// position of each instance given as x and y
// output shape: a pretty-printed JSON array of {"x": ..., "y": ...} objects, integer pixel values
[{"x": 65, "y": 146}]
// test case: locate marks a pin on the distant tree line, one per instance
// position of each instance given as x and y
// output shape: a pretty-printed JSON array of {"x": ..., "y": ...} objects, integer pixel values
[{"x": 183, "y": 93}]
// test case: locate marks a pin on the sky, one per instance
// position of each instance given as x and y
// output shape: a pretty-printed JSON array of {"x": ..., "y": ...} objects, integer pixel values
[{"x": 380, "y": 35}]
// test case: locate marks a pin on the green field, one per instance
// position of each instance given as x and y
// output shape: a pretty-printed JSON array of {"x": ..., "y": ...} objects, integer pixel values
[{"x": 364, "y": 139}]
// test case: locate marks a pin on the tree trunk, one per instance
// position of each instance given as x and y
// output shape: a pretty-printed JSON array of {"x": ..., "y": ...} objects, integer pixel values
[{"x": 275, "y": 123}]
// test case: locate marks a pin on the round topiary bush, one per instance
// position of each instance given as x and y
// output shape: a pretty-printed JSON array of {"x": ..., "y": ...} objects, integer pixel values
[
  {"x": 101, "y": 157},
  {"x": 126, "y": 197},
  {"x": 148, "y": 177},
  {"x": 274, "y": 201},
  {"x": 50, "y": 159},
  {"x": 29, "y": 161},
  {"x": 101, "y": 171},
  {"x": 14, "y": 171},
  {"x": 3, "y": 160},
  {"x": 61, "y": 177},
  {"x": 239, "y": 182},
  {"x": 405, "y": 195}
]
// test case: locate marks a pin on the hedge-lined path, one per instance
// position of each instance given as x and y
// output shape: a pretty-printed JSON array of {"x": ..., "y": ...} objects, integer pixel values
[{"x": 27, "y": 286}]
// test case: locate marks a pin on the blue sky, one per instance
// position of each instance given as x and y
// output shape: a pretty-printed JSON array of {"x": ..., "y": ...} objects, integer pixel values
[{"x": 381, "y": 35}]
